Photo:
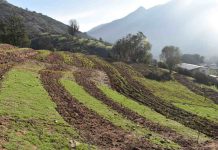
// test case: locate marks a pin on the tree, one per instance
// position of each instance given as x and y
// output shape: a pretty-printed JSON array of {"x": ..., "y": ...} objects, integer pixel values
[
  {"x": 171, "y": 56},
  {"x": 192, "y": 59},
  {"x": 74, "y": 27},
  {"x": 12, "y": 31},
  {"x": 132, "y": 48}
]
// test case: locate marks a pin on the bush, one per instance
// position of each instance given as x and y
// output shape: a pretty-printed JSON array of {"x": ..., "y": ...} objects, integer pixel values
[
  {"x": 184, "y": 72},
  {"x": 205, "y": 79},
  {"x": 159, "y": 76},
  {"x": 43, "y": 42},
  {"x": 162, "y": 65}
]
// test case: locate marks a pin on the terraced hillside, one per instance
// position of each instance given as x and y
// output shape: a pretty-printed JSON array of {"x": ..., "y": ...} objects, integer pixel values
[{"x": 62, "y": 100}]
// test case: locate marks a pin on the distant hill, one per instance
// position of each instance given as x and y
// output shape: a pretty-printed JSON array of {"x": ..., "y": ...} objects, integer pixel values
[
  {"x": 48, "y": 33},
  {"x": 35, "y": 23},
  {"x": 183, "y": 23}
]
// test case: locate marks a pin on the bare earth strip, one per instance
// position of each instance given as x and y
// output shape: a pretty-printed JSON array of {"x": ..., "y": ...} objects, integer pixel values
[
  {"x": 83, "y": 77},
  {"x": 123, "y": 82},
  {"x": 91, "y": 126}
]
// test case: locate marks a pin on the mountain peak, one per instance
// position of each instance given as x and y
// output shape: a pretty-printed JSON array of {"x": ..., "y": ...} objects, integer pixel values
[{"x": 141, "y": 8}]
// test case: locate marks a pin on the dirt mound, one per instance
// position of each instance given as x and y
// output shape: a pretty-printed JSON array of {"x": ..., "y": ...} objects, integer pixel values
[
  {"x": 4, "y": 47},
  {"x": 206, "y": 92},
  {"x": 84, "y": 78},
  {"x": 55, "y": 58},
  {"x": 91, "y": 126},
  {"x": 99, "y": 77},
  {"x": 16, "y": 56}
]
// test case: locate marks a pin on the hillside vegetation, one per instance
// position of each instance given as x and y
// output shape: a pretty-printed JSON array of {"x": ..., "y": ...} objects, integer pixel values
[
  {"x": 25, "y": 28},
  {"x": 63, "y": 100}
]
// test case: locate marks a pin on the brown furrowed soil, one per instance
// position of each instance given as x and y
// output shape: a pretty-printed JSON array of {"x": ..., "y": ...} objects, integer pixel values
[
  {"x": 83, "y": 77},
  {"x": 4, "y": 47},
  {"x": 193, "y": 121},
  {"x": 3, "y": 69},
  {"x": 4, "y": 125},
  {"x": 206, "y": 92},
  {"x": 92, "y": 127},
  {"x": 55, "y": 58},
  {"x": 16, "y": 56},
  {"x": 122, "y": 81},
  {"x": 10, "y": 58}
]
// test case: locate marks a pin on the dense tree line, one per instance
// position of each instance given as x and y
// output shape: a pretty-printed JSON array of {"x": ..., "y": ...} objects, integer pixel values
[
  {"x": 132, "y": 48},
  {"x": 12, "y": 31},
  {"x": 192, "y": 59}
]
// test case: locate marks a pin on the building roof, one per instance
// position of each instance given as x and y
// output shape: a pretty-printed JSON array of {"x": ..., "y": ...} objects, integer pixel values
[
  {"x": 214, "y": 76},
  {"x": 189, "y": 66}
]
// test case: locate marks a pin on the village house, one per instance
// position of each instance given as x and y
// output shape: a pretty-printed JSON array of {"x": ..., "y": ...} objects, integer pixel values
[{"x": 194, "y": 68}]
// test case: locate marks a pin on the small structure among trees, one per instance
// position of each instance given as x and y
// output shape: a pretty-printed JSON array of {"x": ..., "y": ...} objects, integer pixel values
[
  {"x": 74, "y": 27},
  {"x": 170, "y": 56},
  {"x": 132, "y": 48}
]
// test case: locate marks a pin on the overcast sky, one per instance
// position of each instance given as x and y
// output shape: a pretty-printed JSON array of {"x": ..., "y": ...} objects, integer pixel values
[{"x": 89, "y": 13}]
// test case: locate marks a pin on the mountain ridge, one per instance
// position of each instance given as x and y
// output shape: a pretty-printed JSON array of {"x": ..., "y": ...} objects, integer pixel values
[{"x": 167, "y": 24}]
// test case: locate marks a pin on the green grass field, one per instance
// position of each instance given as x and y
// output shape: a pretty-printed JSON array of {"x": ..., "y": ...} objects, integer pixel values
[
  {"x": 180, "y": 96},
  {"x": 150, "y": 114},
  {"x": 35, "y": 124},
  {"x": 82, "y": 96}
]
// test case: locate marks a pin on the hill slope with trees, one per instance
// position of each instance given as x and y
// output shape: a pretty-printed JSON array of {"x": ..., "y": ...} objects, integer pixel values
[
  {"x": 25, "y": 28},
  {"x": 62, "y": 100}
]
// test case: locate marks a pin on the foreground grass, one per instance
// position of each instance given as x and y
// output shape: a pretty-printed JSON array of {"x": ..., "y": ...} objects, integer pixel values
[
  {"x": 182, "y": 97},
  {"x": 92, "y": 103},
  {"x": 35, "y": 124},
  {"x": 151, "y": 114}
]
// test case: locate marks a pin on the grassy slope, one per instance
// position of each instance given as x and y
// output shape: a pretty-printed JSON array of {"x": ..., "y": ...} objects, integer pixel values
[
  {"x": 80, "y": 94},
  {"x": 151, "y": 114},
  {"x": 181, "y": 97},
  {"x": 42, "y": 54},
  {"x": 37, "y": 124},
  {"x": 72, "y": 58}
]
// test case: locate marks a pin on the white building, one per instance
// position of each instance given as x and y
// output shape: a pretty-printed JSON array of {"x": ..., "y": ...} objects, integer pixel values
[{"x": 194, "y": 68}]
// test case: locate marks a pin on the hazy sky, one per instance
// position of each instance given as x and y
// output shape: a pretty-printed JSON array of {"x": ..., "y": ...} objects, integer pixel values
[{"x": 89, "y": 13}]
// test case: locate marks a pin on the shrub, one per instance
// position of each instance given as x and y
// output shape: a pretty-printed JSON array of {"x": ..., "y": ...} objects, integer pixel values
[
  {"x": 184, "y": 72},
  {"x": 205, "y": 79},
  {"x": 162, "y": 65}
]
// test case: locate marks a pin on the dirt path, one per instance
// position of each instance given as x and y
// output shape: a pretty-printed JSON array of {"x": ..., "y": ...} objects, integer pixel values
[
  {"x": 122, "y": 81},
  {"x": 208, "y": 93},
  {"x": 83, "y": 77},
  {"x": 92, "y": 127}
]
